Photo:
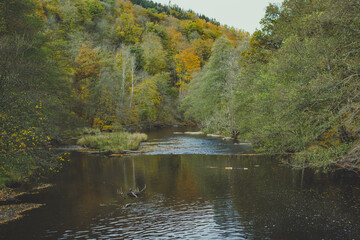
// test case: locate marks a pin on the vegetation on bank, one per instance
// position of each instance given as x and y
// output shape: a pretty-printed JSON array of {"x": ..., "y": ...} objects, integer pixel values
[
  {"x": 113, "y": 142},
  {"x": 294, "y": 87},
  {"x": 32, "y": 95}
]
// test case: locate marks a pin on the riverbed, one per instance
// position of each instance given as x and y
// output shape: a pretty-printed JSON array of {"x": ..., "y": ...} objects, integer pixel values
[{"x": 195, "y": 187}]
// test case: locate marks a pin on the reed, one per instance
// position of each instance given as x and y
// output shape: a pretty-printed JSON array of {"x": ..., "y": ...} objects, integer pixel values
[{"x": 113, "y": 142}]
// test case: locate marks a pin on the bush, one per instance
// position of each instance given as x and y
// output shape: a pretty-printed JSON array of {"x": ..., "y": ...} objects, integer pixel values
[{"x": 323, "y": 158}]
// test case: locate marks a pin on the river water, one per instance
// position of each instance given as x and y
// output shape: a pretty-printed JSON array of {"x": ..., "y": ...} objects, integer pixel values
[{"x": 191, "y": 195}]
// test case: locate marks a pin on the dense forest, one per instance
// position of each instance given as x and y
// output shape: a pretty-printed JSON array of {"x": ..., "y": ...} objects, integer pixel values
[
  {"x": 291, "y": 87},
  {"x": 65, "y": 65}
]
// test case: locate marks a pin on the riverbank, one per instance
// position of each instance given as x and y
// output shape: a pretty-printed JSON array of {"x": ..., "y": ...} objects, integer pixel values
[
  {"x": 11, "y": 208},
  {"x": 343, "y": 156}
]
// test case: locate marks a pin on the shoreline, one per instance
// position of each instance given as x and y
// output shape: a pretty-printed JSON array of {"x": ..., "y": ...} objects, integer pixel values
[{"x": 11, "y": 208}]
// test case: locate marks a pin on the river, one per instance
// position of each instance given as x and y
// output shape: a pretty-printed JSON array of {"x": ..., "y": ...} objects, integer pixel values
[{"x": 191, "y": 194}]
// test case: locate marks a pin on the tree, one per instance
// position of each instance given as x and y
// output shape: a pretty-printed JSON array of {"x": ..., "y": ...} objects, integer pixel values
[
  {"x": 86, "y": 73},
  {"x": 147, "y": 99},
  {"x": 154, "y": 54},
  {"x": 32, "y": 91},
  {"x": 127, "y": 30},
  {"x": 187, "y": 63},
  {"x": 210, "y": 92},
  {"x": 132, "y": 69}
]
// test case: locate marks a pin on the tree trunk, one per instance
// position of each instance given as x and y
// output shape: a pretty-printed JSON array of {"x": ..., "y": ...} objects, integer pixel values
[{"x": 132, "y": 79}]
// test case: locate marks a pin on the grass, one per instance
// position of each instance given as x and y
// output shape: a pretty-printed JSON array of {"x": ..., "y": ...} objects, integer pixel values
[{"x": 113, "y": 142}]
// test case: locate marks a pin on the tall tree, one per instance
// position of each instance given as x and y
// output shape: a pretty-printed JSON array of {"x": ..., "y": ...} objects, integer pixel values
[{"x": 187, "y": 63}]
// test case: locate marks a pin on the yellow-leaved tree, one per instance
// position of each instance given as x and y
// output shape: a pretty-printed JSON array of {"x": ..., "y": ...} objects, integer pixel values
[
  {"x": 87, "y": 70},
  {"x": 187, "y": 63},
  {"x": 147, "y": 99}
]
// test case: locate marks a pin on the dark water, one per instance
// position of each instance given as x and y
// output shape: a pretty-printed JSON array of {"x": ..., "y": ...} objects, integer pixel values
[{"x": 191, "y": 196}]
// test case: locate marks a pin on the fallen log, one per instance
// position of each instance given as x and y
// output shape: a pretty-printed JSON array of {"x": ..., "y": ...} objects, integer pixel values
[
  {"x": 136, "y": 193},
  {"x": 232, "y": 168}
]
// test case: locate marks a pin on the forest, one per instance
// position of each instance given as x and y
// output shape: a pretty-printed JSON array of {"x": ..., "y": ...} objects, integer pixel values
[{"x": 290, "y": 87}]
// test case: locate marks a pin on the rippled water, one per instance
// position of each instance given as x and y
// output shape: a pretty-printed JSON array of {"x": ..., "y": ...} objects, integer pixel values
[
  {"x": 182, "y": 144},
  {"x": 191, "y": 195}
]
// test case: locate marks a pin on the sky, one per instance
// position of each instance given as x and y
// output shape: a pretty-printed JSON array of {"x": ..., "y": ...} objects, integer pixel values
[{"x": 241, "y": 14}]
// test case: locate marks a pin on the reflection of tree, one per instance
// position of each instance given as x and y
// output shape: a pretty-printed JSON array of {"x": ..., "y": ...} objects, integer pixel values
[
  {"x": 268, "y": 201},
  {"x": 264, "y": 202}
]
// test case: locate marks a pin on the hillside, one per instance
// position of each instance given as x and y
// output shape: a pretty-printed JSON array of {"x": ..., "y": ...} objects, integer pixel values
[{"x": 92, "y": 63}]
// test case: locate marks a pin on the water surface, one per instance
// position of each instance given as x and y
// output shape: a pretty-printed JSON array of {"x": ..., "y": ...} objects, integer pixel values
[{"x": 190, "y": 194}]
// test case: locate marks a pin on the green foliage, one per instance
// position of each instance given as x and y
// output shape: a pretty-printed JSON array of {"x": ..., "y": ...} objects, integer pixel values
[
  {"x": 31, "y": 84},
  {"x": 193, "y": 27},
  {"x": 299, "y": 85},
  {"x": 96, "y": 8},
  {"x": 154, "y": 54},
  {"x": 211, "y": 94},
  {"x": 147, "y": 98},
  {"x": 174, "y": 10},
  {"x": 19, "y": 16},
  {"x": 323, "y": 158}
]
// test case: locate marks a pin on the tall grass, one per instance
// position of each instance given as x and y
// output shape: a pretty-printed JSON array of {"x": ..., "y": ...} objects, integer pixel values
[{"x": 114, "y": 142}]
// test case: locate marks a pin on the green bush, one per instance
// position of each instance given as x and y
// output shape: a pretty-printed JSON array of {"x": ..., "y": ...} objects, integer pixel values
[{"x": 323, "y": 158}]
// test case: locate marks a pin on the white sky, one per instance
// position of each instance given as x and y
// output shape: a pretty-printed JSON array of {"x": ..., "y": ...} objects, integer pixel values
[{"x": 241, "y": 14}]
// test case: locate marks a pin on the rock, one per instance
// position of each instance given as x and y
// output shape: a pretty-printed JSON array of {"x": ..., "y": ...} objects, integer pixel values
[
  {"x": 227, "y": 138},
  {"x": 194, "y": 133},
  {"x": 242, "y": 144},
  {"x": 213, "y": 135}
]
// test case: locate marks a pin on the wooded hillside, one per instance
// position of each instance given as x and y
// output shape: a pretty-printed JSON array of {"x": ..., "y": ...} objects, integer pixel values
[{"x": 68, "y": 64}]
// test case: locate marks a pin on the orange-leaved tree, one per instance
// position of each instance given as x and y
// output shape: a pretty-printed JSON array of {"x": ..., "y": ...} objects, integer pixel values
[
  {"x": 87, "y": 70},
  {"x": 187, "y": 63}
]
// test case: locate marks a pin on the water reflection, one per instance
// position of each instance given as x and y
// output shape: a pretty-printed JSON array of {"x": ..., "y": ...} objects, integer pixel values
[{"x": 191, "y": 196}]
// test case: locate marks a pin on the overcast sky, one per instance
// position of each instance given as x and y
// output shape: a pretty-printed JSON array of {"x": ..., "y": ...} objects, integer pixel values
[{"x": 241, "y": 14}]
